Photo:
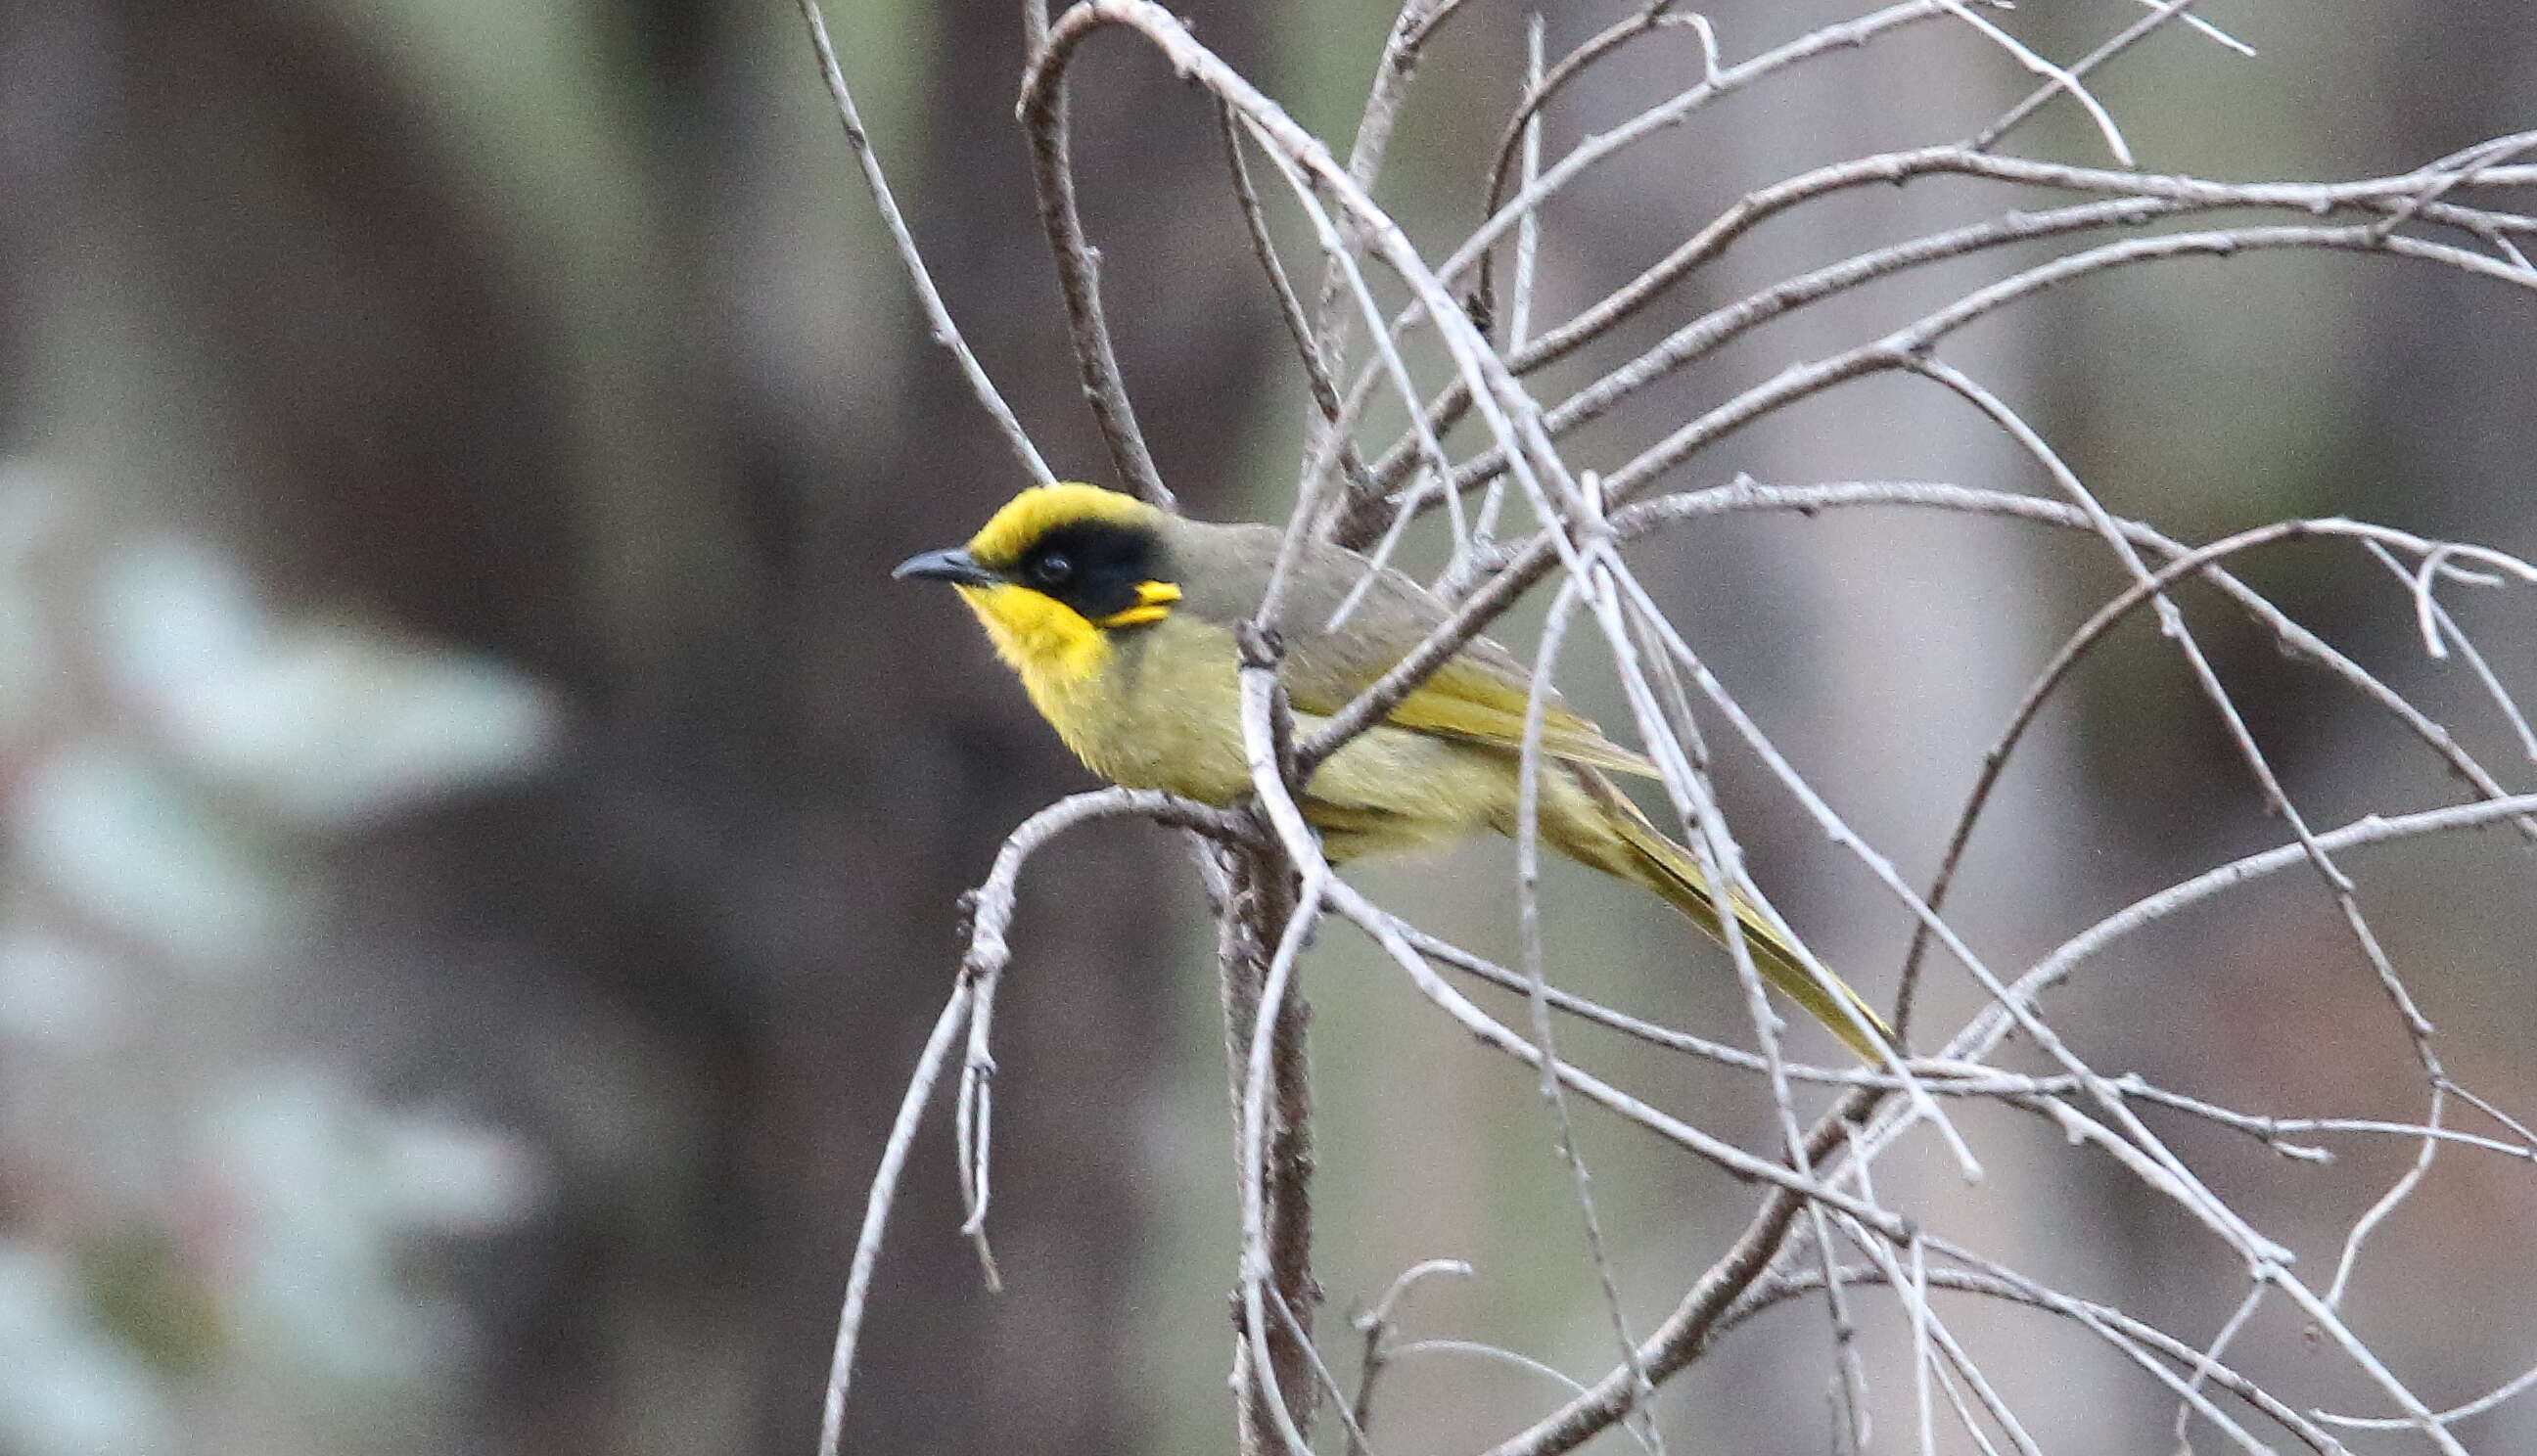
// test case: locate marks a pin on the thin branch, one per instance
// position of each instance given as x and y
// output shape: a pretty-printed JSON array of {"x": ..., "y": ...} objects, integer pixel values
[
  {"x": 2210, "y": 1360},
  {"x": 1527, "y": 839},
  {"x": 1912, "y": 1287},
  {"x": 1527, "y": 251},
  {"x": 1987, "y": 1027},
  {"x": 1042, "y": 111},
  {"x": 876, "y": 1208},
  {"x": 1276, "y": 1227},
  {"x": 2130, "y": 191},
  {"x": 2338, "y": 886},
  {"x": 938, "y": 316},
  {"x": 1376, "y": 1325},
  {"x": 1898, "y": 350},
  {"x": 1502, "y": 403},
  {"x": 2056, "y": 79},
  {"x": 1513, "y": 1358},
  {"x": 1330, "y": 438},
  {"x": 1945, "y": 1078},
  {"x": 2451, "y": 633},
  {"x": 1382, "y": 102},
  {"x": 1682, "y": 755},
  {"x": 2388, "y": 1202},
  {"x": 1522, "y": 129},
  {"x": 2160, "y": 13},
  {"x": 2088, "y": 634},
  {"x": 1742, "y": 1165},
  {"x": 1843, "y": 36},
  {"x": 2509, "y": 1390},
  {"x": 1328, "y": 1382},
  {"x": 1782, "y": 1287},
  {"x": 991, "y": 907},
  {"x": 1527, "y": 566},
  {"x": 1674, "y": 1344},
  {"x": 2268, "y": 1261},
  {"x": 1841, "y": 833},
  {"x": 1366, "y": 514},
  {"x": 1276, "y": 1207},
  {"x": 1344, "y": 267},
  {"x": 1685, "y": 1332}
]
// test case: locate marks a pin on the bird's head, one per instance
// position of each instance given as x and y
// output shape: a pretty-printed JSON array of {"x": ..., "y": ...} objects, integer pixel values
[{"x": 1058, "y": 570}]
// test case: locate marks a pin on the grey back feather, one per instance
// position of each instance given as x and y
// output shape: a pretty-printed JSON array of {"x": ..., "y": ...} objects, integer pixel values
[{"x": 1222, "y": 571}]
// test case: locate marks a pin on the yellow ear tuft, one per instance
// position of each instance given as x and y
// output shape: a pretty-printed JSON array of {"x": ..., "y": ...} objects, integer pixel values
[
  {"x": 1027, "y": 517},
  {"x": 1153, "y": 604}
]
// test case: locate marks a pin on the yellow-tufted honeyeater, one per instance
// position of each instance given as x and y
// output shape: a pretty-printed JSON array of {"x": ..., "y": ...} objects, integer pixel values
[{"x": 1120, "y": 618}]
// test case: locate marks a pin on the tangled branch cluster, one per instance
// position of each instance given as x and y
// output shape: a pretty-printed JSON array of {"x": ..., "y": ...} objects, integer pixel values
[{"x": 1521, "y": 514}]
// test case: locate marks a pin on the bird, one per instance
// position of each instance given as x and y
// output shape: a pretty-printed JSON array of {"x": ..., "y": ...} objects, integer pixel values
[{"x": 1119, "y": 616}]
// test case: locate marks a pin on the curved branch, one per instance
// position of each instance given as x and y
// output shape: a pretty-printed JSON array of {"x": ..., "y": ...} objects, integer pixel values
[
  {"x": 1896, "y": 350},
  {"x": 1687, "y": 1330},
  {"x": 1987, "y": 1028},
  {"x": 1672, "y": 1346},
  {"x": 1779, "y": 1289},
  {"x": 1078, "y": 275},
  {"x": 990, "y": 915},
  {"x": 1537, "y": 94},
  {"x": 1290, "y": 308},
  {"x": 2386, "y": 195},
  {"x": 2087, "y": 636},
  {"x": 938, "y": 315},
  {"x": 1527, "y": 565},
  {"x": 878, "y": 1204}
]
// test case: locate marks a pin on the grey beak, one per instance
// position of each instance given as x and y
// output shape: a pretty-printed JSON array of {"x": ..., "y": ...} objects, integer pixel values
[{"x": 950, "y": 564}]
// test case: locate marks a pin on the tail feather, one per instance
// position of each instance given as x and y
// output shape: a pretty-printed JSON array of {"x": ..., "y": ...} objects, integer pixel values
[{"x": 1651, "y": 859}]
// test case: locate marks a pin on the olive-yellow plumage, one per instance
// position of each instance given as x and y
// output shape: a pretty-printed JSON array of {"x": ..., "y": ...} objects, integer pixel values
[{"x": 1118, "y": 619}]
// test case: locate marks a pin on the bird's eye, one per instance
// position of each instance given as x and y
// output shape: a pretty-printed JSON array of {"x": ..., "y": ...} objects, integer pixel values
[{"x": 1052, "y": 569}]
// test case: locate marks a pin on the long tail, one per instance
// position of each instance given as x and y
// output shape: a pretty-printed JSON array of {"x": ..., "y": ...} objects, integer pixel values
[{"x": 1601, "y": 828}]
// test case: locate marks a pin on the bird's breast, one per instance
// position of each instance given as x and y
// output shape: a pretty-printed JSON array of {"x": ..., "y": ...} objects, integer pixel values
[{"x": 1149, "y": 707}]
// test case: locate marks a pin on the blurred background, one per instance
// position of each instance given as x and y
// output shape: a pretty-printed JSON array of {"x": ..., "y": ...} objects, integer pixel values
[{"x": 482, "y": 830}]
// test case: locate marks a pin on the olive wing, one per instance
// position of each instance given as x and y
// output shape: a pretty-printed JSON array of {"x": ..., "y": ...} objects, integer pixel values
[{"x": 1479, "y": 695}]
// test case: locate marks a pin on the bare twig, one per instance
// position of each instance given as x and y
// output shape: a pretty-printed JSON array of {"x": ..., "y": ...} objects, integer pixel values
[
  {"x": 1745, "y": 1166},
  {"x": 1277, "y": 1173},
  {"x": 1676, "y": 1342},
  {"x": 1502, "y": 405},
  {"x": 2056, "y": 79},
  {"x": 938, "y": 317},
  {"x": 2088, "y": 634},
  {"x": 1897, "y": 350},
  {"x": 1780, "y": 1287},
  {"x": 2160, "y": 13},
  {"x": 1376, "y": 1325},
  {"x": 1331, "y": 438},
  {"x": 1382, "y": 102},
  {"x": 991, "y": 907},
  {"x": 1367, "y": 513},
  {"x": 877, "y": 1206},
  {"x": 2517, "y": 1386},
  {"x": 1078, "y": 275},
  {"x": 1527, "y": 839},
  {"x": 1993, "y": 1023},
  {"x": 1276, "y": 1180},
  {"x": 2138, "y": 196},
  {"x": 1345, "y": 269},
  {"x": 1523, "y": 130}
]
